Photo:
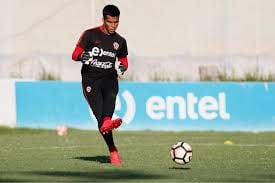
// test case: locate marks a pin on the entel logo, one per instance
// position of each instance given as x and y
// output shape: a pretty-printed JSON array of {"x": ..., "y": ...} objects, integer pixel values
[
  {"x": 130, "y": 106},
  {"x": 192, "y": 107},
  {"x": 208, "y": 107}
]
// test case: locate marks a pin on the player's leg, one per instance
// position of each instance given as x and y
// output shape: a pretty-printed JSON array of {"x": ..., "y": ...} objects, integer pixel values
[
  {"x": 93, "y": 95},
  {"x": 110, "y": 90},
  {"x": 108, "y": 137},
  {"x": 114, "y": 156}
]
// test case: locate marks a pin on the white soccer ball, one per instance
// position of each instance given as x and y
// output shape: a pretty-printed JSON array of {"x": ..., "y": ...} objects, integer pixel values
[
  {"x": 181, "y": 153},
  {"x": 61, "y": 130}
]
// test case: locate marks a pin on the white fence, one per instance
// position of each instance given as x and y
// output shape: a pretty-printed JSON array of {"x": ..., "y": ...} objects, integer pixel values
[{"x": 172, "y": 38}]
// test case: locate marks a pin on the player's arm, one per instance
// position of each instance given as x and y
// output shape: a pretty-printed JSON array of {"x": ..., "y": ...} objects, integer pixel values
[
  {"x": 79, "y": 53},
  {"x": 122, "y": 65},
  {"x": 122, "y": 59},
  {"x": 76, "y": 53}
]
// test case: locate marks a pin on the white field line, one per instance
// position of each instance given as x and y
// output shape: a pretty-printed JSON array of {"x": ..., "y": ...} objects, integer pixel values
[{"x": 197, "y": 144}]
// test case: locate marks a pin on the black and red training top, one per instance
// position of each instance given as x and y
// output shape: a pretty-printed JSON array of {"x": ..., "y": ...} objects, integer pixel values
[{"x": 104, "y": 48}]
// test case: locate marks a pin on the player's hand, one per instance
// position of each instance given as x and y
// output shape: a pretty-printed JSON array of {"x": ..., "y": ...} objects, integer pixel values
[
  {"x": 120, "y": 68},
  {"x": 86, "y": 57}
]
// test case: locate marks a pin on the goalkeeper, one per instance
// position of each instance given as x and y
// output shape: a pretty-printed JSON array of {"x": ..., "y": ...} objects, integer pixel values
[{"x": 103, "y": 53}]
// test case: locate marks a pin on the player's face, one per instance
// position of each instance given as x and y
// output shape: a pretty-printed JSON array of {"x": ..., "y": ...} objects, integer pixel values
[{"x": 110, "y": 24}]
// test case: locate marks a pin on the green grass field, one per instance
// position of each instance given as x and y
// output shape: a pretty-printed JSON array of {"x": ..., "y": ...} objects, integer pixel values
[{"x": 40, "y": 155}]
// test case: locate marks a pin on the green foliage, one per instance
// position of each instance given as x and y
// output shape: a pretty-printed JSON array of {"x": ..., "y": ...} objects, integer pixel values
[
  {"x": 128, "y": 76},
  {"x": 40, "y": 73},
  {"x": 254, "y": 75},
  {"x": 158, "y": 76},
  {"x": 165, "y": 77},
  {"x": 48, "y": 75}
]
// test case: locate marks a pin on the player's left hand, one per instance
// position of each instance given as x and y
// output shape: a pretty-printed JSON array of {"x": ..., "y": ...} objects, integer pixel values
[{"x": 120, "y": 68}]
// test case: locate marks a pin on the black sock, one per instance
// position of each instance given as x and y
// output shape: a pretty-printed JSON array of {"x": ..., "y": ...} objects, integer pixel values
[{"x": 108, "y": 137}]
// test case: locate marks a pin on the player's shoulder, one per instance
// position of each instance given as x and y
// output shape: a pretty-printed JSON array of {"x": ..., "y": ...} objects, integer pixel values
[
  {"x": 120, "y": 37},
  {"x": 93, "y": 30}
]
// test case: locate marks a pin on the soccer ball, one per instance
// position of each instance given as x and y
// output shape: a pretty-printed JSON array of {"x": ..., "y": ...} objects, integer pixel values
[
  {"x": 181, "y": 152},
  {"x": 61, "y": 130}
]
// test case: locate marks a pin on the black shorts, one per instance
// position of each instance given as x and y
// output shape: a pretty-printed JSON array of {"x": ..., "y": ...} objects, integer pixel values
[{"x": 100, "y": 94}]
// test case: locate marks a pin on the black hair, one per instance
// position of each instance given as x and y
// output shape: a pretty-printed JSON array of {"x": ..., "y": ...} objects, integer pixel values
[{"x": 111, "y": 10}]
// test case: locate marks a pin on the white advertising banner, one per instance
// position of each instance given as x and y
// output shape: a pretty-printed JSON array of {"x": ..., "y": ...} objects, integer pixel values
[{"x": 7, "y": 103}]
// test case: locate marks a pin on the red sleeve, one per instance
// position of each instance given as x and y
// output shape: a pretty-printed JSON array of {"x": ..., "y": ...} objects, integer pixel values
[
  {"x": 81, "y": 45},
  {"x": 124, "y": 61},
  {"x": 77, "y": 51}
]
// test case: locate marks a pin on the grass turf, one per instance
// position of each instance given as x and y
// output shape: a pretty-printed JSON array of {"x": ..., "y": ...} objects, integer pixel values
[{"x": 40, "y": 155}]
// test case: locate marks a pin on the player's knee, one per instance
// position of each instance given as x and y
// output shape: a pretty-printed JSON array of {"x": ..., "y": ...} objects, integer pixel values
[{"x": 99, "y": 120}]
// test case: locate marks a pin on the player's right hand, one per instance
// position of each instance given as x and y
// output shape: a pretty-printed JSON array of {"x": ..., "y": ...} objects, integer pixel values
[
  {"x": 85, "y": 57},
  {"x": 120, "y": 68}
]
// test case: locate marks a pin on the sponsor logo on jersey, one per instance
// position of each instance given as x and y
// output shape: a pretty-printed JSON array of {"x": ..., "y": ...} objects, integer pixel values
[
  {"x": 88, "y": 89},
  {"x": 116, "y": 45},
  {"x": 100, "y": 52},
  {"x": 97, "y": 41},
  {"x": 102, "y": 65}
]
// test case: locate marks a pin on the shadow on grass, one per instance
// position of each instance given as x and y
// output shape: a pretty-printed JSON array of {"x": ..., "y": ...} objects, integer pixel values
[
  {"x": 81, "y": 176},
  {"x": 100, "y": 159},
  {"x": 180, "y": 168},
  {"x": 12, "y": 180},
  {"x": 92, "y": 176}
]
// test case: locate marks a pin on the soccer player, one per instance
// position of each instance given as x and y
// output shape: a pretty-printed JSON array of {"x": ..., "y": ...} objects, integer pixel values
[{"x": 99, "y": 49}]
